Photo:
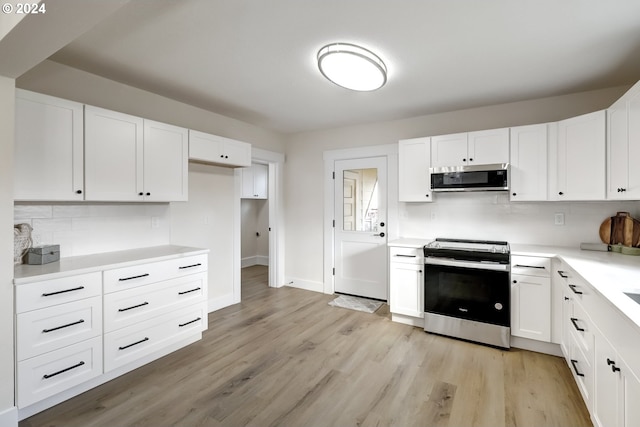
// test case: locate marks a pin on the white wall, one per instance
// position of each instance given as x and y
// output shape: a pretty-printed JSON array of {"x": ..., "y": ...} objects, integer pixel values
[
  {"x": 255, "y": 219},
  {"x": 8, "y": 416},
  {"x": 305, "y": 180}
]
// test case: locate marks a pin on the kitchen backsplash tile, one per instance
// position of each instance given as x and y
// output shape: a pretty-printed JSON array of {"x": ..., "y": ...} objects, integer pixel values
[{"x": 82, "y": 229}]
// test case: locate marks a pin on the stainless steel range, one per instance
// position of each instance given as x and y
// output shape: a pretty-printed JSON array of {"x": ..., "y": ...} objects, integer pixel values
[{"x": 467, "y": 291}]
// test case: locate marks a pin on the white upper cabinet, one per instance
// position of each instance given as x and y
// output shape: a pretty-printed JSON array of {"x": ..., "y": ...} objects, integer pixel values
[
  {"x": 577, "y": 159},
  {"x": 449, "y": 150},
  {"x": 255, "y": 181},
  {"x": 528, "y": 163},
  {"x": 48, "y": 148},
  {"x": 623, "y": 147},
  {"x": 166, "y": 162},
  {"x": 414, "y": 160},
  {"x": 472, "y": 148},
  {"x": 131, "y": 159},
  {"x": 488, "y": 146},
  {"x": 207, "y": 148}
]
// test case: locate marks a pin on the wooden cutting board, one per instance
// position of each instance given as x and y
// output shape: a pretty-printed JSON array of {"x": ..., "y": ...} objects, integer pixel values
[{"x": 620, "y": 229}]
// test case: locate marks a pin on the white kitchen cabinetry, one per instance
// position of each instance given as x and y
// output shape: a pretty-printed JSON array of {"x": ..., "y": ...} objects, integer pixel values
[
  {"x": 623, "y": 147},
  {"x": 531, "y": 297},
  {"x": 255, "y": 180},
  {"x": 78, "y": 331},
  {"x": 207, "y": 148},
  {"x": 131, "y": 159},
  {"x": 472, "y": 148},
  {"x": 414, "y": 161},
  {"x": 406, "y": 282},
  {"x": 577, "y": 159},
  {"x": 48, "y": 148},
  {"x": 58, "y": 335},
  {"x": 528, "y": 160},
  {"x": 449, "y": 150}
]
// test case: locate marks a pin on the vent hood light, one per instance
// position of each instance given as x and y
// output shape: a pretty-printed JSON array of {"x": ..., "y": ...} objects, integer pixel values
[{"x": 352, "y": 67}]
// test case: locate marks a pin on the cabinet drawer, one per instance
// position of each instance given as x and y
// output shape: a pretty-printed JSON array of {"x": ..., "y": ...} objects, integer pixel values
[
  {"x": 530, "y": 265},
  {"x": 406, "y": 255},
  {"x": 128, "y": 307},
  {"x": 55, "y": 327},
  {"x": 582, "y": 327},
  {"x": 581, "y": 366},
  {"x": 51, "y": 373},
  {"x": 33, "y": 296},
  {"x": 142, "y": 339},
  {"x": 138, "y": 275}
]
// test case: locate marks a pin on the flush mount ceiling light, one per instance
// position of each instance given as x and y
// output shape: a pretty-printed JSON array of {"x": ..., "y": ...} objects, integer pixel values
[{"x": 352, "y": 67}]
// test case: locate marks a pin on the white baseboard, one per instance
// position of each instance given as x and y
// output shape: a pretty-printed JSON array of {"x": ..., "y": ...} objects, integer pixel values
[
  {"x": 304, "y": 284},
  {"x": 214, "y": 304},
  {"x": 9, "y": 417},
  {"x": 537, "y": 346},
  {"x": 407, "y": 320},
  {"x": 254, "y": 260}
]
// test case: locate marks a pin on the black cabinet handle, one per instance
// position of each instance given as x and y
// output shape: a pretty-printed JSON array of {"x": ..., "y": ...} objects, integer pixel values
[
  {"x": 190, "y": 322},
  {"x": 513, "y": 194},
  {"x": 575, "y": 324},
  {"x": 405, "y": 256},
  {"x": 561, "y": 273},
  {"x": 189, "y": 291},
  {"x": 573, "y": 288},
  {"x": 470, "y": 159},
  {"x": 610, "y": 362},
  {"x": 47, "y": 376},
  {"x": 189, "y": 266},
  {"x": 614, "y": 369},
  {"x": 78, "y": 191},
  {"x": 575, "y": 369},
  {"x": 135, "y": 343},
  {"x": 464, "y": 160},
  {"x": 63, "y": 291},
  {"x": 133, "y": 306},
  {"x": 133, "y": 277},
  {"x": 560, "y": 193},
  {"x": 148, "y": 194},
  {"x": 566, "y": 298},
  {"x": 515, "y": 281},
  {"x": 63, "y": 326},
  {"x": 426, "y": 195},
  {"x": 141, "y": 194},
  {"x": 540, "y": 267}
]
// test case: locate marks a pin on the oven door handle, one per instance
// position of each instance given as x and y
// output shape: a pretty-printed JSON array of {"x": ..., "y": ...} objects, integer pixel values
[{"x": 466, "y": 264}]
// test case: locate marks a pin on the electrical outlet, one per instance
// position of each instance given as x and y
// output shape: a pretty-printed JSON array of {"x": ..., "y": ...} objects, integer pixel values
[
  {"x": 155, "y": 222},
  {"x": 558, "y": 218},
  {"x": 433, "y": 216}
]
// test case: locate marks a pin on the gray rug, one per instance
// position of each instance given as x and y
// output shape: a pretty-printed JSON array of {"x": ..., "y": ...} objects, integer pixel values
[{"x": 356, "y": 303}]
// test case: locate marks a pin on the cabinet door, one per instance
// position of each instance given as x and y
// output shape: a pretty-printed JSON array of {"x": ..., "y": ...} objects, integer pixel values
[
  {"x": 580, "y": 157},
  {"x": 113, "y": 156},
  {"x": 607, "y": 384},
  {"x": 633, "y": 185},
  {"x": 406, "y": 283},
  {"x": 449, "y": 150},
  {"x": 166, "y": 155},
  {"x": 618, "y": 153},
  {"x": 528, "y": 163},
  {"x": 488, "y": 146},
  {"x": 531, "y": 307},
  {"x": 236, "y": 153},
  {"x": 255, "y": 181},
  {"x": 208, "y": 148},
  {"x": 630, "y": 412},
  {"x": 48, "y": 148},
  {"x": 414, "y": 161}
]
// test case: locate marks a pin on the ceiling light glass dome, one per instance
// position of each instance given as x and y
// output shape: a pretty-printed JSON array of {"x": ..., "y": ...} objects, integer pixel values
[{"x": 352, "y": 67}]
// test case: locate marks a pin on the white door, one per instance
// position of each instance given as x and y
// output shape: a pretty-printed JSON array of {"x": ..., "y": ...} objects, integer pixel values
[{"x": 360, "y": 227}]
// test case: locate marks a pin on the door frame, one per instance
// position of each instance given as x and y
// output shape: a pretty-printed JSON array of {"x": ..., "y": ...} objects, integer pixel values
[
  {"x": 390, "y": 151},
  {"x": 275, "y": 162}
]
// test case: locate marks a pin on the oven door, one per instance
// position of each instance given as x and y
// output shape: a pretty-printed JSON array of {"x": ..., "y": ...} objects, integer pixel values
[{"x": 468, "y": 290}]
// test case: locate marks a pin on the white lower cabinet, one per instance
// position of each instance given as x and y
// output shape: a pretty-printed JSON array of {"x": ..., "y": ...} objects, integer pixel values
[
  {"x": 531, "y": 297},
  {"x": 73, "y": 329},
  {"x": 406, "y": 281}
]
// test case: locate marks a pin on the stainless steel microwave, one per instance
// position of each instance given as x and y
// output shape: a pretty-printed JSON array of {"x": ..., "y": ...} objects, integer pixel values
[{"x": 491, "y": 177}]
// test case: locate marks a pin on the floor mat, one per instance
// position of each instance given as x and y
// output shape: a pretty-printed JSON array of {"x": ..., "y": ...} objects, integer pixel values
[{"x": 356, "y": 303}]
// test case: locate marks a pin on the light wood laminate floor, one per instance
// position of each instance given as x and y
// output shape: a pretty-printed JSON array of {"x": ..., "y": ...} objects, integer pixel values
[{"x": 283, "y": 357}]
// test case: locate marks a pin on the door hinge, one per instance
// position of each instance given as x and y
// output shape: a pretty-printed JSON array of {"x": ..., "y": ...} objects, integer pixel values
[
  {"x": 334, "y": 175},
  {"x": 334, "y": 223},
  {"x": 334, "y": 271}
]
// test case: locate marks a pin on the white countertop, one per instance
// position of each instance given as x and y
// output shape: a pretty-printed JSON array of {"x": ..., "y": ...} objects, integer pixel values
[
  {"x": 97, "y": 262},
  {"x": 610, "y": 273}
]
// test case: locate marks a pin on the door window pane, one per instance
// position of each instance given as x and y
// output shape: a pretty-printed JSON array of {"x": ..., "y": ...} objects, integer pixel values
[{"x": 360, "y": 200}]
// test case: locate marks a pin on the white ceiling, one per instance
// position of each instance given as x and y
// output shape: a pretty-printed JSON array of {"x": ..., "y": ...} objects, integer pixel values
[{"x": 255, "y": 60}]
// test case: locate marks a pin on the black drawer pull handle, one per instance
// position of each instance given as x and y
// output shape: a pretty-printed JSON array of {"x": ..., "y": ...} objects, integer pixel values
[
  {"x": 79, "y": 288},
  {"x": 190, "y": 290},
  {"x": 47, "y": 376},
  {"x": 561, "y": 273},
  {"x": 134, "y": 277},
  {"x": 190, "y": 266},
  {"x": 133, "y": 306},
  {"x": 575, "y": 369},
  {"x": 405, "y": 256},
  {"x": 188, "y": 323},
  {"x": 575, "y": 324},
  {"x": 573, "y": 288},
  {"x": 63, "y": 326},
  {"x": 541, "y": 267},
  {"x": 135, "y": 343}
]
